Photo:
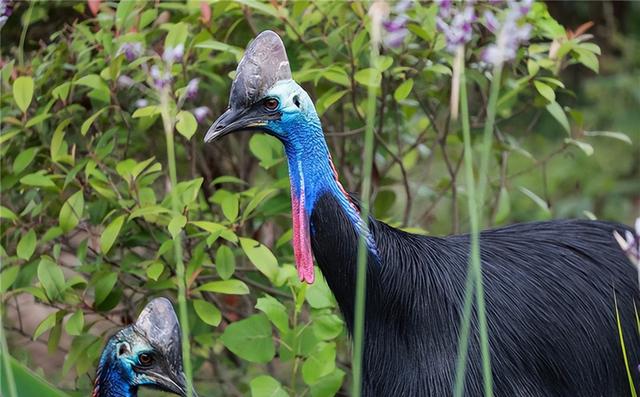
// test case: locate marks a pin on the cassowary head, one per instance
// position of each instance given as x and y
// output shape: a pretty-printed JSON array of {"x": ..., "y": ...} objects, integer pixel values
[
  {"x": 264, "y": 96},
  {"x": 147, "y": 353}
]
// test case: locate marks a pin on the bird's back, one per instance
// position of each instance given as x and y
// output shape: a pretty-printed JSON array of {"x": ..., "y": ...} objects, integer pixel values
[{"x": 550, "y": 291}]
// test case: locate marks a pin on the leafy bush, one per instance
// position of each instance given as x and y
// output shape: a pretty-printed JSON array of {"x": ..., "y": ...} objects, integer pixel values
[{"x": 94, "y": 223}]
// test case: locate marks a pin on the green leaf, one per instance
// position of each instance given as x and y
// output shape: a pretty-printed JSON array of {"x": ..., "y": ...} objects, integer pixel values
[
  {"x": 225, "y": 262},
  {"x": 27, "y": 245},
  {"x": 6, "y": 213},
  {"x": 88, "y": 122},
  {"x": 327, "y": 326},
  {"x": 369, "y": 77},
  {"x": 261, "y": 257},
  {"x": 266, "y": 386},
  {"x": 177, "y": 35},
  {"x": 403, "y": 90},
  {"x": 146, "y": 111},
  {"x": 154, "y": 271},
  {"x": 231, "y": 287},
  {"x": 621, "y": 136},
  {"x": 535, "y": 198},
  {"x": 557, "y": 113},
  {"x": 176, "y": 224},
  {"x": 320, "y": 363},
  {"x": 51, "y": 278},
  {"x": 275, "y": 311},
  {"x": 24, "y": 159},
  {"x": 23, "y": 92},
  {"x": 94, "y": 81},
  {"x": 584, "y": 146},
  {"x": 545, "y": 90},
  {"x": 250, "y": 339},
  {"x": 45, "y": 325},
  {"x": 8, "y": 277},
  {"x": 71, "y": 211},
  {"x": 103, "y": 287},
  {"x": 27, "y": 381},
  {"x": 207, "y": 312},
  {"x": 75, "y": 323},
  {"x": 532, "y": 67},
  {"x": 110, "y": 234},
  {"x": 148, "y": 210},
  {"x": 37, "y": 179},
  {"x": 186, "y": 124},
  {"x": 588, "y": 59},
  {"x": 328, "y": 386}
]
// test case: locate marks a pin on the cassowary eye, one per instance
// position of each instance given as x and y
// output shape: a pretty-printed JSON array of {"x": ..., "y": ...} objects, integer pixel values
[
  {"x": 145, "y": 359},
  {"x": 271, "y": 104}
]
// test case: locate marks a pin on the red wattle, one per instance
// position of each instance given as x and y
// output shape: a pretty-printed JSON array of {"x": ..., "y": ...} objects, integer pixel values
[{"x": 301, "y": 238}]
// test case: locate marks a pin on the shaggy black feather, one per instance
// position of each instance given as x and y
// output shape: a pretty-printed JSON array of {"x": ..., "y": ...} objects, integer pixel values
[{"x": 549, "y": 290}]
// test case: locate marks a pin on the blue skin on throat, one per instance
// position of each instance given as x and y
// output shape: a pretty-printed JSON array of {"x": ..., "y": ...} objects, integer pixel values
[{"x": 308, "y": 156}]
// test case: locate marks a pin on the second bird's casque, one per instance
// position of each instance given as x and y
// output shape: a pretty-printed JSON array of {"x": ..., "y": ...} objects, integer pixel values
[{"x": 550, "y": 286}]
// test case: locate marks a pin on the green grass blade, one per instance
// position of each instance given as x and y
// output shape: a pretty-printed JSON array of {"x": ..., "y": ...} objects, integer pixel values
[{"x": 624, "y": 348}]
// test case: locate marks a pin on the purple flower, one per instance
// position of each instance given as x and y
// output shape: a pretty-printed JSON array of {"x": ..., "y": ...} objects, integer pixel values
[
  {"x": 160, "y": 79},
  {"x": 396, "y": 28},
  {"x": 6, "y": 9},
  {"x": 491, "y": 22},
  {"x": 140, "y": 103},
  {"x": 191, "y": 92},
  {"x": 173, "y": 54},
  {"x": 131, "y": 51},
  {"x": 455, "y": 24},
  {"x": 201, "y": 113}
]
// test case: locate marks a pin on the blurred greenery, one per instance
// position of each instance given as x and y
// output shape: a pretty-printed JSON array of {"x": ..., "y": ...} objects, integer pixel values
[{"x": 87, "y": 223}]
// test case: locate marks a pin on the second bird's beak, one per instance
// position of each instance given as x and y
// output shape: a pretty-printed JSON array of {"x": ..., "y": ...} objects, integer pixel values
[{"x": 233, "y": 120}]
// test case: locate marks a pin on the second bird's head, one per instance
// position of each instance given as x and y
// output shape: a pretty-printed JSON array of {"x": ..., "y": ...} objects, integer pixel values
[
  {"x": 146, "y": 353},
  {"x": 264, "y": 96}
]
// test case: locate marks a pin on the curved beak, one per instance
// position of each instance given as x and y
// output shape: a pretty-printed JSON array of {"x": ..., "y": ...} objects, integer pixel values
[{"x": 234, "y": 120}]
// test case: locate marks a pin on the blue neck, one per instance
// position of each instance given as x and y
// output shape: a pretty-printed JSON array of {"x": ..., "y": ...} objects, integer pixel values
[
  {"x": 112, "y": 379},
  {"x": 311, "y": 169}
]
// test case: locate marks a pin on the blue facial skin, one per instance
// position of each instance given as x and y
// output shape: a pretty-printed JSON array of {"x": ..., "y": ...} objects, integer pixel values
[
  {"x": 116, "y": 375},
  {"x": 308, "y": 156}
]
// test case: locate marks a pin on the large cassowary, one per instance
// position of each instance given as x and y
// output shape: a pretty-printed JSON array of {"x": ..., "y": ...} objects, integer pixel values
[{"x": 550, "y": 286}]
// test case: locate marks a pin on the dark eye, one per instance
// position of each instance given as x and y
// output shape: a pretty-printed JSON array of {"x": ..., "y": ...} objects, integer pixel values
[
  {"x": 271, "y": 104},
  {"x": 145, "y": 359}
]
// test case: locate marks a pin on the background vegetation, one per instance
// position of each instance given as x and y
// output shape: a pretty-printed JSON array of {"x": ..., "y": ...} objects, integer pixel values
[{"x": 89, "y": 230}]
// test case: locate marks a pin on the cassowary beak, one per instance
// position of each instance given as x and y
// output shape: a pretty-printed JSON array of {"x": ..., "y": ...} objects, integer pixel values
[
  {"x": 233, "y": 120},
  {"x": 159, "y": 324},
  {"x": 264, "y": 63}
]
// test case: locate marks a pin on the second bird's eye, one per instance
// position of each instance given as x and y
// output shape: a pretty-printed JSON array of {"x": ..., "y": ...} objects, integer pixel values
[
  {"x": 145, "y": 359},
  {"x": 271, "y": 104}
]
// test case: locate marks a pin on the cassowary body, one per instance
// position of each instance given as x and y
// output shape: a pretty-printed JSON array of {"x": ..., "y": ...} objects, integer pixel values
[
  {"x": 146, "y": 353},
  {"x": 549, "y": 286}
]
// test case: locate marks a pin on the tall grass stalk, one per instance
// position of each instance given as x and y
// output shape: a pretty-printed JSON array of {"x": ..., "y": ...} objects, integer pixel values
[
  {"x": 168, "y": 123},
  {"x": 8, "y": 376},
  {"x": 475, "y": 199},
  {"x": 361, "y": 280}
]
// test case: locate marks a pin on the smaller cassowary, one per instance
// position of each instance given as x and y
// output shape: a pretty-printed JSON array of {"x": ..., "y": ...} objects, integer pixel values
[
  {"x": 147, "y": 353},
  {"x": 553, "y": 289}
]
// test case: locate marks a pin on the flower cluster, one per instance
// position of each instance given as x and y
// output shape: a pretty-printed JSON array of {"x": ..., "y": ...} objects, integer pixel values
[
  {"x": 161, "y": 79},
  {"x": 6, "y": 8},
  {"x": 396, "y": 28},
  {"x": 455, "y": 23},
  {"x": 511, "y": 32},
  {"x": 630, "y": 244},
  {"x": 173, "y": 54}
]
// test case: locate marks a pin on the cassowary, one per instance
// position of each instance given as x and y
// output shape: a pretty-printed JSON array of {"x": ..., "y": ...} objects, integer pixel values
[
  {"x": 550, "y": 286},
  {"x": 147, "y": 353}
]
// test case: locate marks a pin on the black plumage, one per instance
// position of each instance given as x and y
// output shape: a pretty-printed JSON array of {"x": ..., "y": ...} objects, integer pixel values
[{"x": 550, "y": 306}]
